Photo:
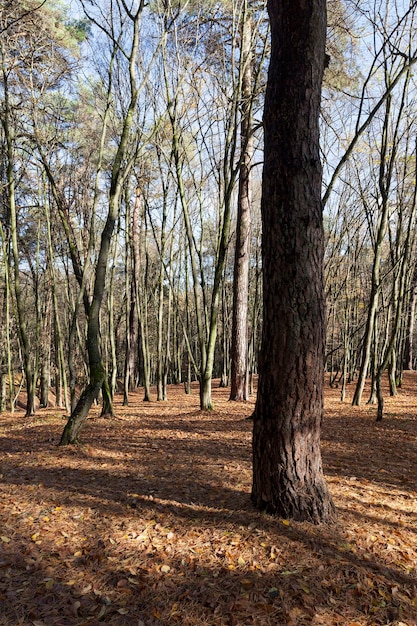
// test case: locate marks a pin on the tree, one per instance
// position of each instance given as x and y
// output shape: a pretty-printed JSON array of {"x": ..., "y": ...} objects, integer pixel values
[
  {"x": 391, "y": 41},
  {"x": 206, "y": 155},
  {"x": 287, "y": 470},
  {"x": 35, "y": 54},
  {"x": 239, "y": 339},
  {"x": 368, "y": 197},
  {"x": 121, "y": 166},
  {"x": 411, "y": 314}
]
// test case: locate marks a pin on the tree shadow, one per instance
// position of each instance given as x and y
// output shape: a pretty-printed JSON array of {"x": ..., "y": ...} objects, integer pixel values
[
  {"x": 110, "y": 582},
  {"x": 384, "y": 453},
  {"x": 191, "y": 473}
]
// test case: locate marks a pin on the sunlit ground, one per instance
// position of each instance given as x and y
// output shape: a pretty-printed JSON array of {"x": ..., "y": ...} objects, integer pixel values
[{"x": 149, "y": 521}]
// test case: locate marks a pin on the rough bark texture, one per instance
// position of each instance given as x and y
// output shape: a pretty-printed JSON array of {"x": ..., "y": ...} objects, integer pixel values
[{"x": 288, "y": 478}]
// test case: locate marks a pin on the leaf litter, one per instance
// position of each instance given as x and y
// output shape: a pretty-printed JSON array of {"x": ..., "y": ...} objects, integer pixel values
[{"x": 148, "y": 521}]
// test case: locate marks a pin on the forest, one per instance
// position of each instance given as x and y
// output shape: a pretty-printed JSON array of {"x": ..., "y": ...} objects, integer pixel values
[
  {"x": 208, "y": 286},
  {"x": 131, "y": 162}
]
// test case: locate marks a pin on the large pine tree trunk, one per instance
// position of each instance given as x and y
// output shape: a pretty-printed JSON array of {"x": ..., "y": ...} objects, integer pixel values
[{"x": 287, "y": 474}]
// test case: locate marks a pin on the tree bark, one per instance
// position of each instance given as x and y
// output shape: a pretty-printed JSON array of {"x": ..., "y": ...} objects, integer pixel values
[
  {"x": 61, "y": 388},
  {"x": 408, "y": 348},
  {"x": 7, "y": 305},
  {"x": 161, "y": 391},
  {"x": 239, "y": 346},
  {"x": 140, "y": 281},
  {"x": 288, "y": 478},
  {"x": 23, "y": 332},
  {"x": 384, "y": 183},
  {"x": 112, "y": 380},
  {"x": 97, "y": 372},
  {"x": 3, "y": 395},
  {"x": 45, "y": 382}
]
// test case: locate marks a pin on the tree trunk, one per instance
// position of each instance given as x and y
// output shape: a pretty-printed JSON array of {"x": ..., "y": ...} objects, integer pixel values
[
  {"x": 3, "y": 395},
  {"x": 256, "y": 309},
  {"x": 225, "y": 340},
  {"x": 177, "y": 350},
  {"x": 107, "y": 409},
  {"x": 112, "y": 330},
  {"x": 392, "y": 371},
  {"x": 287, "y": 469},
  {"x": 79, "y": 414},
  {"x": 206, "y": 403},
  {"x": 132, "y": 332},
  {"x": 374, "y": 363},
  {"x": 408, "y": 348},
  {"x": 380, "y": 409},
  {"x": 71, "y": 358},
  {"x": 97, "y": 372},
  {"x": 169, "y": 322},
  {"x": 12, "y": 209},
  {"x": 130, "y": 308},
  {"x": 239, "y": 347},
  {"x": 139, "y": 246},
  {"x": 161, "y": 331},
  {"x": 7, "y": 296},
  {"x": 45, "y": 382},
  {"x": 369, "y": 332},
  {"x": 119, "y": 171}
]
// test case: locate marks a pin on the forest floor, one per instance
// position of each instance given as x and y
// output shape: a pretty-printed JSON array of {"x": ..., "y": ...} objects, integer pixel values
[{"x": 149, "y": 522}]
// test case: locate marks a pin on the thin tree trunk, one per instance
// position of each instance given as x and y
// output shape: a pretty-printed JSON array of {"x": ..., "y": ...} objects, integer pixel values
[
  {"x": 21, "y": 313},
  {"x": 408, "y": 359},
  {"x": 376, "y": 269},
  {"x": 98, "y": 379},
  {"x": 160, "y": 360},
  {"x": 7, "y": 294},
  {"x": 139, "y": 240},
  {"x": 96, "y": 369},
  {"x": 392, "y": 369},
  {"x": 60, "y": 374},
  {"x": 373, "y": 396},
  {"x": 224, "y": 380},
  {"x": 255, "y": 317},
  {"x": 128, "y": 311},
  {"x": 3, "y": 392},
  {"x": 239, "y": 342},
  {"x": 112, "y": 330}
]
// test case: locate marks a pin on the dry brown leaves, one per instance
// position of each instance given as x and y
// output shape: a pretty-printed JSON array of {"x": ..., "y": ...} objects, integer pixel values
[{"x": 149, "y": 521}]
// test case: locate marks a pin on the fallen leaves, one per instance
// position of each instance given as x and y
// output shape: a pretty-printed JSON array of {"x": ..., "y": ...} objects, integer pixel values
[{"x": 150, "y": 522}]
